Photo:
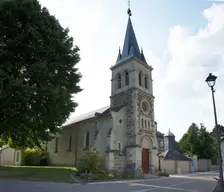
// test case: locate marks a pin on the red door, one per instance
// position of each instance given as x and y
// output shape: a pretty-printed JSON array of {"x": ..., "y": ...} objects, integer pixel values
[{"x": 145, "y": 160}]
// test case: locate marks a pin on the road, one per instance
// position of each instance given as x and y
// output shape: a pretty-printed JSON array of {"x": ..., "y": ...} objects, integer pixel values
[{"x": 186, "y": 183}]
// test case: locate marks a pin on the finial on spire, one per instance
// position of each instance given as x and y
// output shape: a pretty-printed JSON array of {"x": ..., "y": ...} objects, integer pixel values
[
  {"x": 141, "y": 50},
  {"x": 129, "y": 9}
]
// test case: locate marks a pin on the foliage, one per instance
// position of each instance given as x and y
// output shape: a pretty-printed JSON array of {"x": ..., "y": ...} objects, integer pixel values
[
  {"x": 31, "y": 157},
  {"x": 197, "y": 141},
  {"x": 38, "y": 77},
  {"x": 214, "y": 148},
  {"x": 103, "y": 175},
  {"x": 205, "y": 143},
  {"x": 90, "y": 161},
  {"x": 220, "y": 129},
  {"x": 189, "y": 142}
]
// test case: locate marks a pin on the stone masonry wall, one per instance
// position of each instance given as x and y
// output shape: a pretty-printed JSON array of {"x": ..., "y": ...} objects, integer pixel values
[
  {"x": 149, "y": 98},
  {"x": 143, "y": 96},
  {"x": 125, "y": 99}
]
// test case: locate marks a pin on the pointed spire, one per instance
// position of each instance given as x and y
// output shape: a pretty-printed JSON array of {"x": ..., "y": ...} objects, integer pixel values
[
  {"x": 142, "y": 55},
  {"x": 119, "y": 55},
  {"x": 130, "y": 47}
]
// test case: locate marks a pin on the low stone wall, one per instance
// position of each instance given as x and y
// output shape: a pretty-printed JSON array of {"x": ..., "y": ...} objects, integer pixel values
[{"x": 204, "y": 164}]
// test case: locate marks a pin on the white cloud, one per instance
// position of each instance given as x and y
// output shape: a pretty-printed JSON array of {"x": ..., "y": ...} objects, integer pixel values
[{"x": 193, "y": 57}]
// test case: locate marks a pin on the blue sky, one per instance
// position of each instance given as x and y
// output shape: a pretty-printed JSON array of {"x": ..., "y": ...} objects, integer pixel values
[{"x": 182, "y": 39}]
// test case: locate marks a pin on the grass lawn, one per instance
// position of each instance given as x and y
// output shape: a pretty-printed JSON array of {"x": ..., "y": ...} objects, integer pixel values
[{"x": 54, "y": 174}]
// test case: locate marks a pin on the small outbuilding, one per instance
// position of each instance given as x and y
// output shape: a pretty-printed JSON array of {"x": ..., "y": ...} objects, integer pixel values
[
  {"x": 172, "y": 160},
  {"x": 10, "y": 156}
]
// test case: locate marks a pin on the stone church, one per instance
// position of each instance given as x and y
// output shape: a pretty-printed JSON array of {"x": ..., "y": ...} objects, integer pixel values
[{"x": 125, "y": 132}]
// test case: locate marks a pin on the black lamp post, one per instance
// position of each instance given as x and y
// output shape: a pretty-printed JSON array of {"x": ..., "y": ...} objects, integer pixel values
[{"x": 211, "y": 83}]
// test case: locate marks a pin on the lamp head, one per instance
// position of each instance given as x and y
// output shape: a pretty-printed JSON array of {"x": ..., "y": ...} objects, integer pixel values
[{"x": 211, "y": 79}]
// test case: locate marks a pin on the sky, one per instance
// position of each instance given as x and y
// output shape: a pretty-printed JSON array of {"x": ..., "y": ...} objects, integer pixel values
[{"x": 182, "y": 40}]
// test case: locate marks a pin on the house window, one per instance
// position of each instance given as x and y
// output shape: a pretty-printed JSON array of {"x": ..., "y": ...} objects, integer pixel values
[
  {"x": 142, "y": 123},
  {"x": 140, "y": 79},
  {"x": 70, "y": 143},
  {"x": 126, "y": 78},
  {"x": 86, "y": 139},
  {"x": 146, "y": 82},
  {"x": 119, "y": 81},
  {"x": 56, "y": 144}
]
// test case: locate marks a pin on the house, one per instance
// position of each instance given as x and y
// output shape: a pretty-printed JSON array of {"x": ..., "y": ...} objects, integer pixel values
[
  {"x": 125, "y": 132},
  {"x": 9, "y": 156},
  {"x": 172, "y": 160}
]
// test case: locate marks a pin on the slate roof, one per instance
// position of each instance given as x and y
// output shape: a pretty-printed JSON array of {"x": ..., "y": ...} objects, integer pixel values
[
  {"x": 99, "y": 112},
  {"x": 159, "y": 134},
  {"x": 169, "y": 134},
  {"x": 87, "y": 116},
  {"x": 130, "y": 47},
  {"x": 174, "y": 155}
]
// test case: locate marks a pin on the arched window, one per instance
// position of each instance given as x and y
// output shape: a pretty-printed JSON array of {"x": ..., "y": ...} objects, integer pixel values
[
  {"x": 119, "y": 81},
  {"x": 126, "y": 78},
  {"x": 146, "y": 82},
  {"x": 140, "y": 79}
]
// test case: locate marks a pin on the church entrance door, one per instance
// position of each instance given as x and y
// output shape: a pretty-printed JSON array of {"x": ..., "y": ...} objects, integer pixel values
[{"x": 145, "y": 160}]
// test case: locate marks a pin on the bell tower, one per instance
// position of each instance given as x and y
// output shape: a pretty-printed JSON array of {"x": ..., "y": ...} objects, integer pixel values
[{"x": 132, "y": 103}]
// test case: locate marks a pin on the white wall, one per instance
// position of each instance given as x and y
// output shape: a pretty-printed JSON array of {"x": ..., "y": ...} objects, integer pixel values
[{"x": 7, "y": 156}]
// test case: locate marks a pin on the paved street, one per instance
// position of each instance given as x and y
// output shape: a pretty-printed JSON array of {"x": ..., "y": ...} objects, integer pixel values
[{"x": 189, "y": 183}]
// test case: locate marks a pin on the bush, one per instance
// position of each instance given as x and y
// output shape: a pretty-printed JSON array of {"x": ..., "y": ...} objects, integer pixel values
[
  {"x": 163, "y": 174},
  {"x": 32, "y": 157},
  {"x": 90, "y": 161}
]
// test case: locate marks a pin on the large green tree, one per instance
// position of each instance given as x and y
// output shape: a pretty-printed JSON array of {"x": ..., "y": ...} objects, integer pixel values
[
  {"x": 38, "y": 73},
  {"x": 197, "y": 141},
  {"x": 220, "y": 130},
  {"x": 213, "y": 134},
  {"x": 206, "y": 143},
  {"x": 189, "y": 142}
]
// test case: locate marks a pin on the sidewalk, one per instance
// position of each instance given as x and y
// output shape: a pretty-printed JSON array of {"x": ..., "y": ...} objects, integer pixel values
[{"x": 198, "y": 175}]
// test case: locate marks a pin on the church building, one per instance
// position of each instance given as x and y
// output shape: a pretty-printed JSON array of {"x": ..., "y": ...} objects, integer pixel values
[{"x": 125, "y": 132}]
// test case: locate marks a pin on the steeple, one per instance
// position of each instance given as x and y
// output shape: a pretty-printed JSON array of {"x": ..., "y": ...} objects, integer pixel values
[{"x": 130, "y": 47}]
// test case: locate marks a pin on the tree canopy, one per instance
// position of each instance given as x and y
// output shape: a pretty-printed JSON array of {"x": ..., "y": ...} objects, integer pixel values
[
  {"x": 198, "y": 141},
  {"x": 220, "y": 129},
  {"x": 38, "y": 73}
]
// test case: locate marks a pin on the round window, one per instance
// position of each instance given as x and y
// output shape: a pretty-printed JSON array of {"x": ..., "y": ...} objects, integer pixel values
[{"x": 144, "y": 106}]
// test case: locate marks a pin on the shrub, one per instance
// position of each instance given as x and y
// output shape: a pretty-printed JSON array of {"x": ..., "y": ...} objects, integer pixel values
[
  {"x": 31, "y": 157},
  {"x": 164, "y": 174},
  {"x": 90, "y": 161}
]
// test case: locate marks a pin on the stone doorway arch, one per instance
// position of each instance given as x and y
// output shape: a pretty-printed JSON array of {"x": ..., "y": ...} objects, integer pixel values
[{"x": 146, "y": 145}]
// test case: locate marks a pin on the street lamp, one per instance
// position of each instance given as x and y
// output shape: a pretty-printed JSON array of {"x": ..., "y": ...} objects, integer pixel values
[{"x": 211, "y": 79}]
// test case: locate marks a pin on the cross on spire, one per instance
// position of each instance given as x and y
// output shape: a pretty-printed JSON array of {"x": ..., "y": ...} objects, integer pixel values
[{"x": 129, "y": 8}]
